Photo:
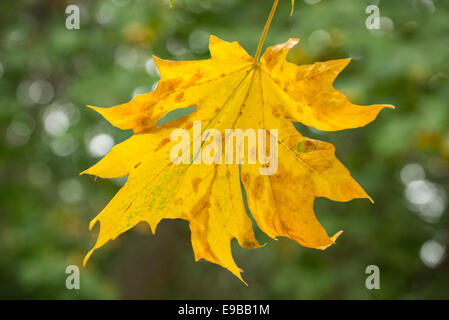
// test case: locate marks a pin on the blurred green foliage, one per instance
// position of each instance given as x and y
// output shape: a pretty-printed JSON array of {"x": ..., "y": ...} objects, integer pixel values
[{"x": 49, "y": 73}]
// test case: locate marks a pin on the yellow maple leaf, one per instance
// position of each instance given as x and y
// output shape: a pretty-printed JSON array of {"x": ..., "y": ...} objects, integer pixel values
[{"x": 232, "y": 90}]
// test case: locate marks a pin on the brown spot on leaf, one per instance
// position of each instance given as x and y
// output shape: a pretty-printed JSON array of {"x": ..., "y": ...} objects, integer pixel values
[
  {"x": 163, "y": 143},
  {"x": 201, "y": 205},
  {"x": 276, "y": 112},
  {"x": 306, "y": 145},
  {"x": 258, "y": 188},
  {"x": 245, "y": 178},
  {"x": 169, "y": 85},
  {"x": 179, "y": 97},
  {"x": 248, "y": 244},
  {"x": 195, "y": 182},
  {"x": 194, "y": 79}
]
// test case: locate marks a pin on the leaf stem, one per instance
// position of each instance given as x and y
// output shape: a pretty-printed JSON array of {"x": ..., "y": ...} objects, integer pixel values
[{"x": 265, "y": 31}]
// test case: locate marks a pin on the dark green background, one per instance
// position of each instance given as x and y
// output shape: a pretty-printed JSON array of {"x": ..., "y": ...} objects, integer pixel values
[{"x": 45, "y": 206}]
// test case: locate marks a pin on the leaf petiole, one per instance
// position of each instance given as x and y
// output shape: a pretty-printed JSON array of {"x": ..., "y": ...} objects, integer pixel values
[{"x": 265, "y": 31}]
